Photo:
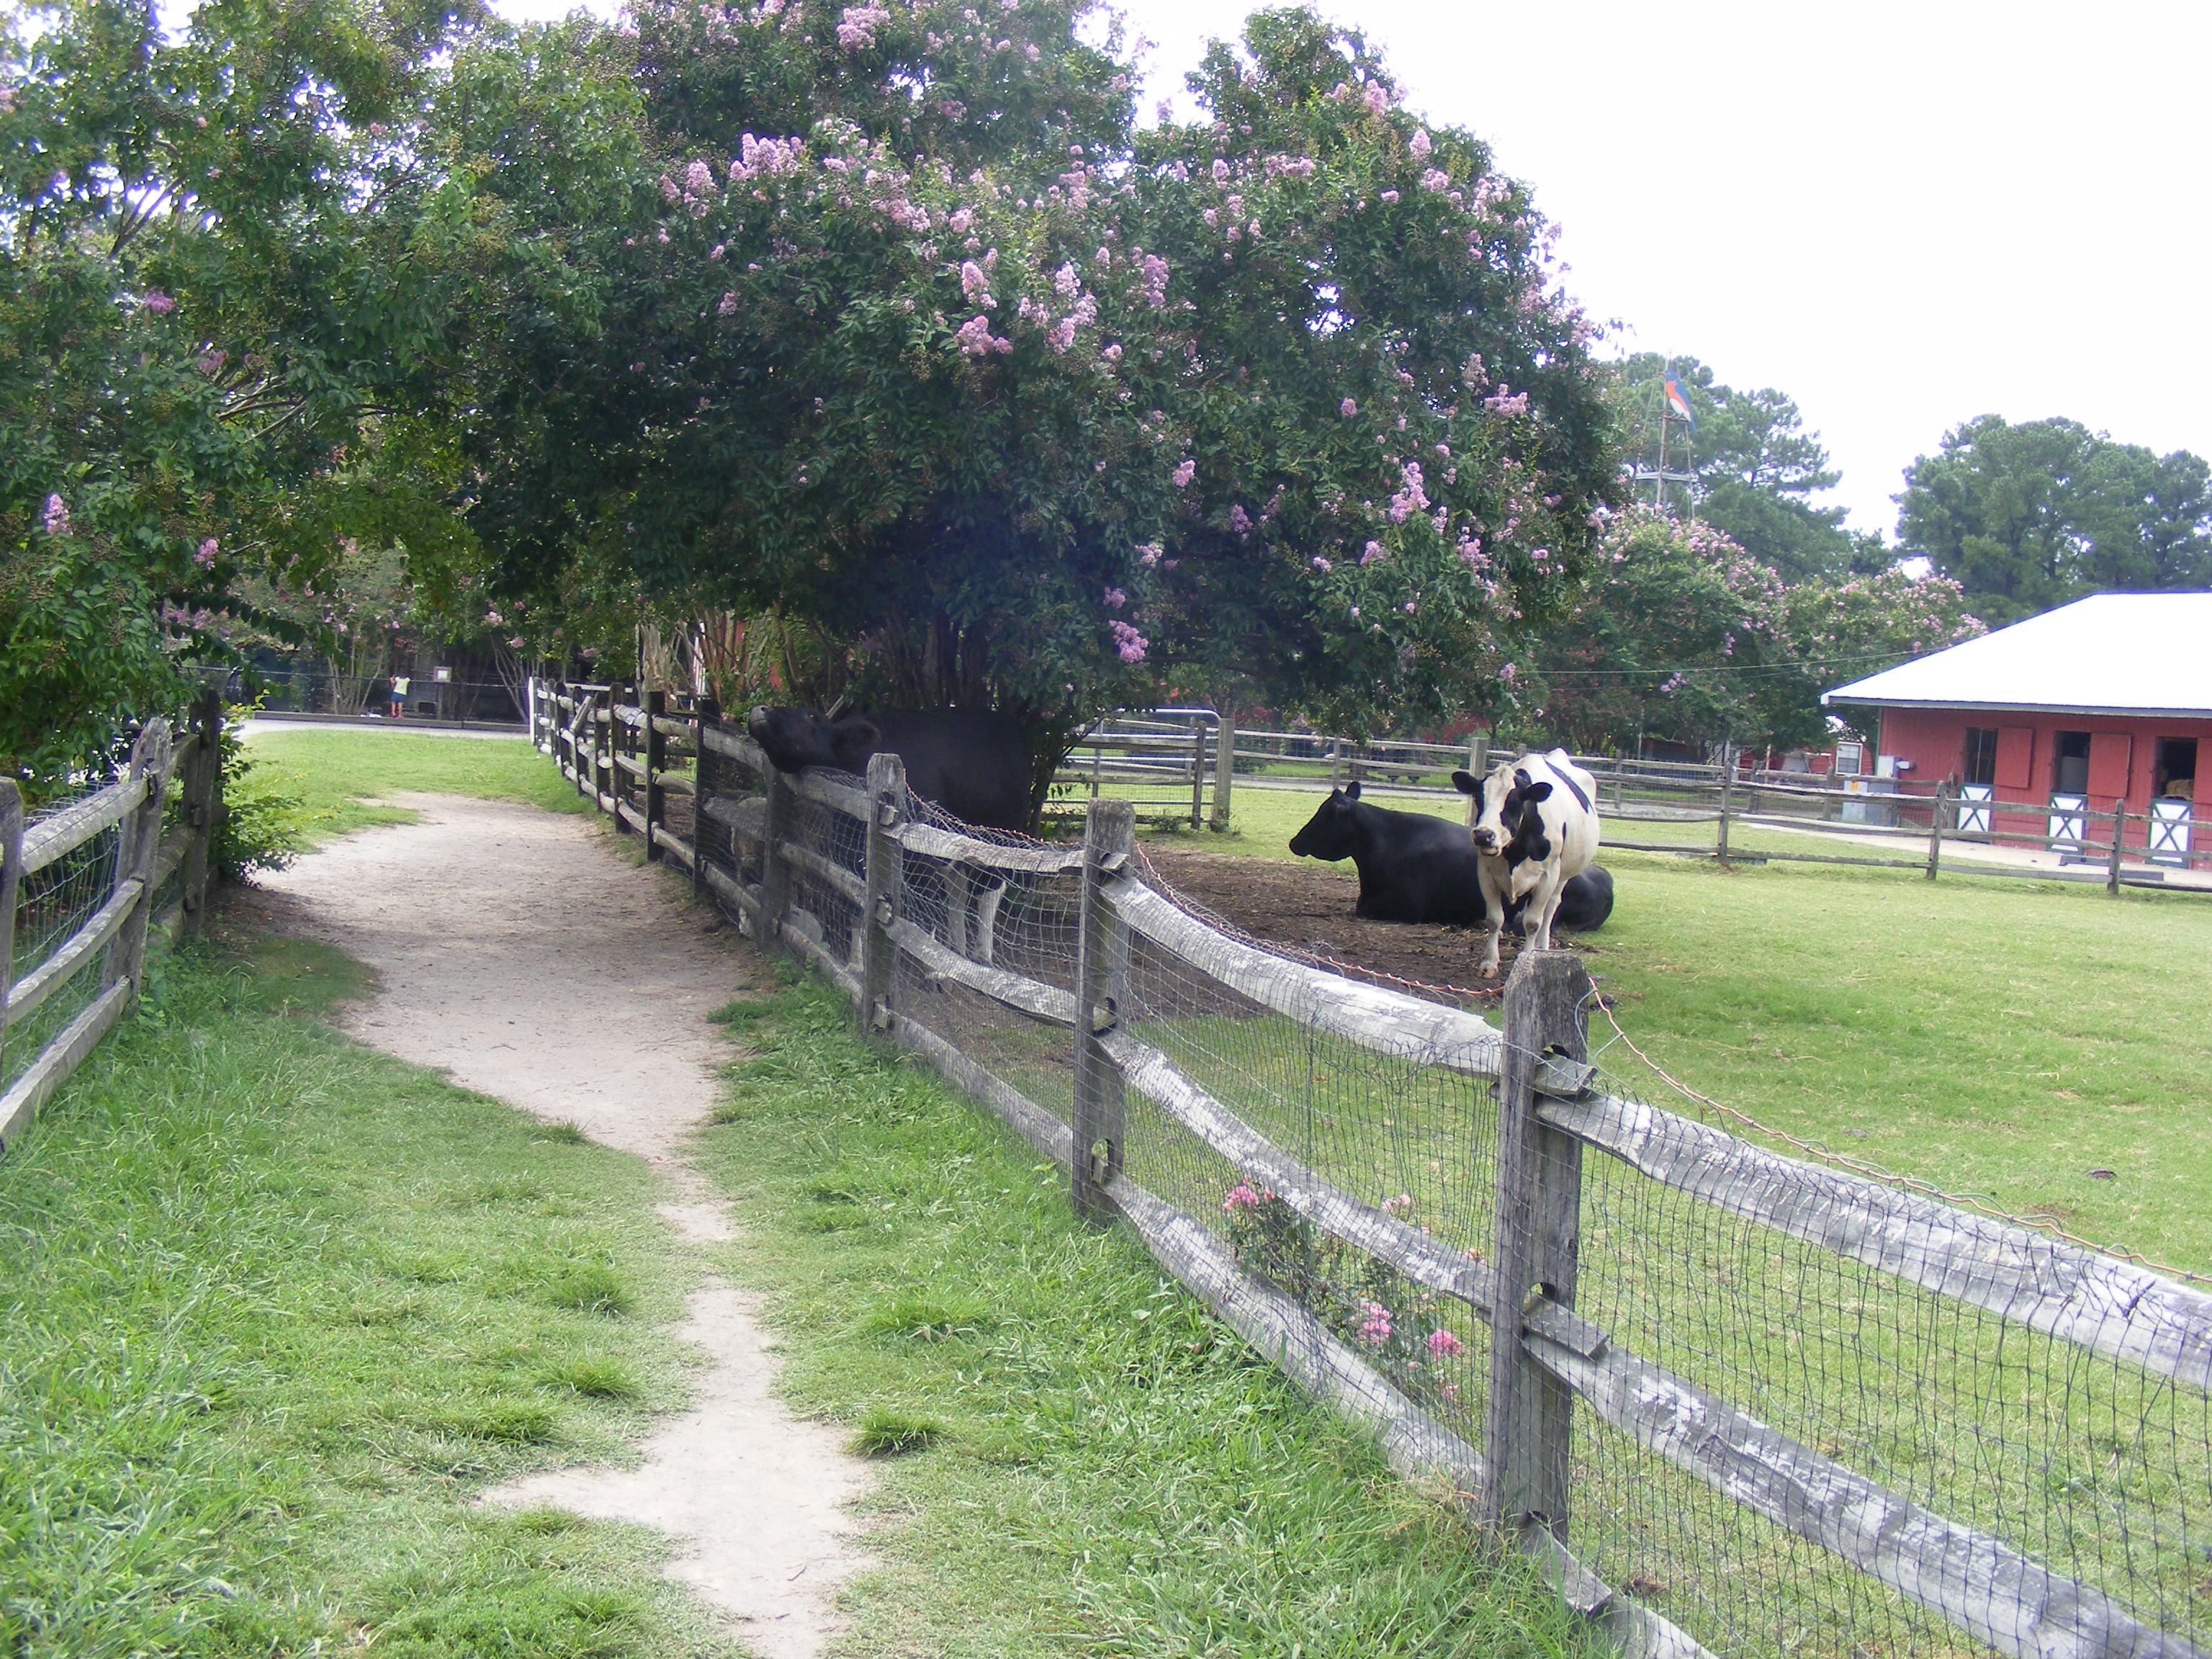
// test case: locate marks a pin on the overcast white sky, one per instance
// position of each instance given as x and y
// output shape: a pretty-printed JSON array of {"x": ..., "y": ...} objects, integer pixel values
[{"x": 1904, "y": 213}]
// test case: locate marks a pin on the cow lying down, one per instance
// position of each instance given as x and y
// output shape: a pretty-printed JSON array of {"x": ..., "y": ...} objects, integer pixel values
[
  {"x": 1414, "y": 866},
  {"x": 1535, "y": 831}
]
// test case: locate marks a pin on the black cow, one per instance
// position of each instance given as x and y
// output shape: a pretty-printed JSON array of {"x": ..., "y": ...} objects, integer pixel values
[
  {"x": 1412, "y": 867},
  {"x": 973, "y": 763}
]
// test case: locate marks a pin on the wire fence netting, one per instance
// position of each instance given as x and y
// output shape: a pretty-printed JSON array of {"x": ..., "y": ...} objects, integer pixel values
[
  {"x": 1260, "y": 1115},
  {"x": 53, "y": 905}
]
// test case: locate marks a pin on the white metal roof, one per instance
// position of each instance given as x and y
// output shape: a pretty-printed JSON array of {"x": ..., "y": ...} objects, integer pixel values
[{"x": 2129, "y": 653}]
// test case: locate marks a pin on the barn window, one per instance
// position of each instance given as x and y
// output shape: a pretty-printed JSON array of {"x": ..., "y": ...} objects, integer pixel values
[
  {"x": 2174, "y": 767},
  {"x": 1979, "y": 762},
  {"x": 2069, "y": 762}
]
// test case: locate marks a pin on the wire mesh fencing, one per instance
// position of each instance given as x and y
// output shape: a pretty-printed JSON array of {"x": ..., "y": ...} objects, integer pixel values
[{"x": 1742, "y": 1403}]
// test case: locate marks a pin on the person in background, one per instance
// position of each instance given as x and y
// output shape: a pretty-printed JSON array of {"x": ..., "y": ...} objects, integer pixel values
[{"x": 400, "y": 696}]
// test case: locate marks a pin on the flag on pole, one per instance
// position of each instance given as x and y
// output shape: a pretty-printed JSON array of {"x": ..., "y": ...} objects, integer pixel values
[{"x": 1678, "y": 401}]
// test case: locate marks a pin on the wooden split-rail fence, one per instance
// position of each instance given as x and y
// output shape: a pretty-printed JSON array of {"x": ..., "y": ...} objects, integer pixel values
[
  {"x": 905, "y": 880},
  {"x": 141, "y": 881}
]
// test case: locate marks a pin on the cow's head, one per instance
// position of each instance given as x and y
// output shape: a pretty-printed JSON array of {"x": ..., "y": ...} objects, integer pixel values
[
  {"x": 1329, "y": 833},
  {"x": 795, "y": 738},
  {"x": 1508, "y": 822}
]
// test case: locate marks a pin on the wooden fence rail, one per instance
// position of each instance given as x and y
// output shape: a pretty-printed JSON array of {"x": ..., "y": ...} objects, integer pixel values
[
  {"x": 1545, "y": 1356},
  {"x": 114, "y": 931}
]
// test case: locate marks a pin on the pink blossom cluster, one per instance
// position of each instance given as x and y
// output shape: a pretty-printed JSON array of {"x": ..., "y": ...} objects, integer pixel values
[
  {"x": 975, "y": 284},
  {"x": 976, "y": 339},
  {"x": 1242, "y": 1197},
  {"x": 1154, "y": 272},
  {"x": 1374, "y": 553},
  {"x": 1373, "y": 1324},
  {"x": 765, "y": 158},
  {"x": 56, "y": 518},
  {"x": 1148, "y": 555},
  {"x": 1420, "y": 145},
  {"x": 1412, "y": 496},
  {"x": 158, "y": 302},
  {"x": 857, "y": 27},
  {"x": 1129, "y": 644},
  {"x": 1185, "y": 471},
  {"x": 1506, "y": 401},
  {"x": 1435, "y": 180},
  {"x": 1116, "y": 599},
  {"x": 205, "y": 557},
  {"x": 1444, "y": 1345},
  {"x": 1239, "y": 521}
]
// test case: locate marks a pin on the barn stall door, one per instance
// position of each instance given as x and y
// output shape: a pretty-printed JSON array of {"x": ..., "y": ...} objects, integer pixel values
[
  {"x": 2111, "y": 755},
  {"x": 2016, "y": 759}
]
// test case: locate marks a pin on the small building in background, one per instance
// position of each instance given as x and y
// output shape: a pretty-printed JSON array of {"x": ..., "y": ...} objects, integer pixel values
[{"x": 2104, "y": 701}]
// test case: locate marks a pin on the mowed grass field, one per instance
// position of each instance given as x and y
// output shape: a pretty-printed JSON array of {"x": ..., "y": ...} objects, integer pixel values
[{"x": 2041, "y": 1046}]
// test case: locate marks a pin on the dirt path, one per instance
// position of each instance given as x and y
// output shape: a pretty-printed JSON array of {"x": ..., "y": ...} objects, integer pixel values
[{"x": 516, "y": 951}]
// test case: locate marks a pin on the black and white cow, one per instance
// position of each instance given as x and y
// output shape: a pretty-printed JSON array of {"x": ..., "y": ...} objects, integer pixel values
[
  {"x": 1413, "y": 866},
  {"x": 1537, "y": 828}
]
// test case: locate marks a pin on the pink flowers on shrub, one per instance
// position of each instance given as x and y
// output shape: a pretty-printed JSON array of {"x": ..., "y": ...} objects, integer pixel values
[
  {"x": 1420, "y": 145},
  {"x": 1506, "y": 401},
  {"x": 56, "y": 518},
  {"x": 1184, "y": 473},
  {"x": 975, "y": 285},
  {"x": 206, "y": 557},
  {"x": 158, "y": 302},
  {"x": 727, "y": 305},
  {"x": 1155, "y": 281},
  {"x": 1411, "y": 497},
  {"x": 857, "y": 27},
  {"x": 1373, "y": 1324},
  {"x": 1240, "y": 520},
  {"x": 1374, "y": 553},
  {"x": 1116, "y": 599},
  {"x": 1129, "y": 644},
  {"x": 1348, "y": 407},
  {"x": 1242, "y": 1197},
  {"x": 976, "y": 339},
  {"x": 1444, "y": 1345}
]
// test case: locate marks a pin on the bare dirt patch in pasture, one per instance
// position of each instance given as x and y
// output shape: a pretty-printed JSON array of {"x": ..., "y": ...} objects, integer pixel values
[
  {"x": 1307, "y": 906},
  {"x": 518, "y": 952}
]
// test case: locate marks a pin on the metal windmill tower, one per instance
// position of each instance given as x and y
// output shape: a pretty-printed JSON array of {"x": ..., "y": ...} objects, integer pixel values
[{"x": 1670, "y": 432}]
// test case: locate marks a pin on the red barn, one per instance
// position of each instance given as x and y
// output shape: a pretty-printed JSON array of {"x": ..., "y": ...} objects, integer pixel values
[{"x": 2107, "y": 699}]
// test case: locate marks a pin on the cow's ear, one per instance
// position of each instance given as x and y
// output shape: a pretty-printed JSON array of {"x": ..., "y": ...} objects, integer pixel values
[
  {"x": 855, "y": 738},
  {"x": 1521, "y": 778},
  {"x": 1466, "y": 783},
  {"x": 1352, "y": 790},
  {"x": 1535, "y": 791}
]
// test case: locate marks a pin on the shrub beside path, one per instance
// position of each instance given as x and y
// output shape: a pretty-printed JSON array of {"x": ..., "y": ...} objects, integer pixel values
[{"x": 519, "y": 953}]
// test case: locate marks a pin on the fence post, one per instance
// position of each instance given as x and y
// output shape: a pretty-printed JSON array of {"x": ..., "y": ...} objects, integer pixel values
[
  {"x": 606, "y": 780},
  {"x": 1478, "y": 766},
  {"x": 1102, "y": 969},
  {"x": 878, "y": 950},
  {"x": 11, "y": 881},
  {"x": 1535, "y": 1249},
  {"x": 1224, "y": 767},
  {"x": 705, "y": 712},
  {"x": 1198, "y": 773},
  {"x": 775, "y": 869},
  {"x": 1336, "y": 764},
  {"x": 203, "y": 803},
  {"x": 2119, "y": 829},
  {"x": 1728, "y": 779},
  {"x": 138, "y": 845},
  {"x": 1935, "y": 828},
  {"x": 656, "y": 763}
]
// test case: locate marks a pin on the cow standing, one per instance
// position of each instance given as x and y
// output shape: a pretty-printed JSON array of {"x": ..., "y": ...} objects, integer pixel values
[{"x": 1537, "y": 828}]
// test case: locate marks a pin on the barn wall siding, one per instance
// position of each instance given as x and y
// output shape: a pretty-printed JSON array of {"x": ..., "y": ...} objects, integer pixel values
[{"x": 2121, "y": 753}]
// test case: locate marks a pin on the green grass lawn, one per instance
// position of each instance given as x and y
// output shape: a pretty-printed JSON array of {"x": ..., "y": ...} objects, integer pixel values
[
  {"x": 346, "y": 775},
  {"x": 276, "y": 1308}
]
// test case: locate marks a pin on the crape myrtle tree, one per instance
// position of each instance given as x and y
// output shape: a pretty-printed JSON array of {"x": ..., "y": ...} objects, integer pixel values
[
  {"x": 1680, "y": 635},
  {"x": 204, "y": 296},
  {"x": 896, "y": 330}
]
